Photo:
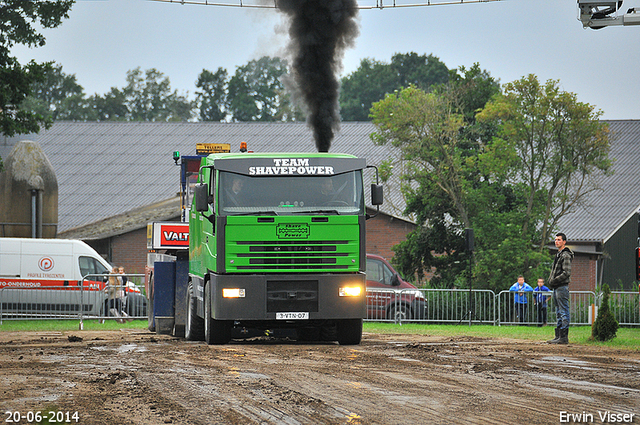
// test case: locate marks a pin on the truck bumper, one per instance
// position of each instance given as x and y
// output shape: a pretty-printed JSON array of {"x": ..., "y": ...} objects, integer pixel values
[{"x": 267, "y": 297}]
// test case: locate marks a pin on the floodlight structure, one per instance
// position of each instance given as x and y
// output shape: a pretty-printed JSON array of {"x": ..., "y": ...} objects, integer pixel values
[
  {"x": 362, "y": 4},
  {"x": 597, "y": 14},
  {"x": 469, "y": 247}
]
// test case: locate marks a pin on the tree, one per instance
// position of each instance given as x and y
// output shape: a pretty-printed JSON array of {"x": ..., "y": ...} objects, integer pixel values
[
  {"x": 112, "y": 106},
  {"x": 373, "y": 80},
  {"x": 606, "y": 326},
  {"x": 426, "y": 129},
  {"x": 58, "y": 96},
  {"x": 559, "y": 145},
  {"x": 17, "y": 20},
  {"x": 422, "y": 71},
  {"x": 452, "y": 183},
  {"x": 149, "y": 98},
  {"x": 527, "y": 158},
  {"x": 256, "y": 92},
  {"x": 212, "y": 97},
  {"x": 366, "y": 85}
]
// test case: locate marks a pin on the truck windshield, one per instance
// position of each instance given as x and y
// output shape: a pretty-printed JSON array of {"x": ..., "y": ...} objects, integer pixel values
[{"x": 340, "y": 194}]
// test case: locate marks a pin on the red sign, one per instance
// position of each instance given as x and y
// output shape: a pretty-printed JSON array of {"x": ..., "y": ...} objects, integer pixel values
[
  {"x": 171, "y": 235},
  {"x": 166, "y": 235}
]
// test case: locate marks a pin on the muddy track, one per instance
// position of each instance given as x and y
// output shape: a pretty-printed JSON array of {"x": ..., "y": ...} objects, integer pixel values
[{"x": 135, "y": 377}]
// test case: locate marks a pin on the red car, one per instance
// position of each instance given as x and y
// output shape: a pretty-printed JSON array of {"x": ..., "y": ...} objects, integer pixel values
[{"x": 389, "y": 296}]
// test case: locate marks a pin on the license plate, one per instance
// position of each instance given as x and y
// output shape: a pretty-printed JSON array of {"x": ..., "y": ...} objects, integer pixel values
[{"x": 301, "y": 315}]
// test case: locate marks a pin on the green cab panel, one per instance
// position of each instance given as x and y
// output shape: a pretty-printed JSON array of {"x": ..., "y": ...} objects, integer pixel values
[{"x": 295, "y": 244}]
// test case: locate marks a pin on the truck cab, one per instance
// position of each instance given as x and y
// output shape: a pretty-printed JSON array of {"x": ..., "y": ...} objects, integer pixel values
[{"x": 277, "y": 240}]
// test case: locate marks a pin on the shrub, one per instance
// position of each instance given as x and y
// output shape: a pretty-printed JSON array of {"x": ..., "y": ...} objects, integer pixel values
[{"x": 605, "y": 326}]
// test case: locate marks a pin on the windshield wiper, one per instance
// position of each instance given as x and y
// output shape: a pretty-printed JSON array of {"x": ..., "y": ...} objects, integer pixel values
[
  {"x": 270, "y": 212},
  {"x": 317, "y": 212}
]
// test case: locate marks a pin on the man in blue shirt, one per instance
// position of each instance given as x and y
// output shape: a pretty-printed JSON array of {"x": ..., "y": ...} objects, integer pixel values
[
  {"x": 540, "y": 301},
  {"x": 520, "y": 298}
]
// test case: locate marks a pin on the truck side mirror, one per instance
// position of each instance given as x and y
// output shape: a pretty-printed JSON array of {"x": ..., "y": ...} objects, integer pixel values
[
  {"x": 395, "y": 280},
  {"x": 201, "y": 197},
  {"x": 377, "y": 197}
]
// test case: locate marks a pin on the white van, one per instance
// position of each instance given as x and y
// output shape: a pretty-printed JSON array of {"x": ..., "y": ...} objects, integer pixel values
[{"x": 45, "y": 277}]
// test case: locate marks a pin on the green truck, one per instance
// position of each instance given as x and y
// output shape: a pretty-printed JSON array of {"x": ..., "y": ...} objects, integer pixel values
[{"x": 277, "y": 244}]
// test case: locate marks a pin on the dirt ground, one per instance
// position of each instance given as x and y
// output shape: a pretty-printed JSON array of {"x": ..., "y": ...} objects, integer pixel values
[{"x": 137, "y": 377}]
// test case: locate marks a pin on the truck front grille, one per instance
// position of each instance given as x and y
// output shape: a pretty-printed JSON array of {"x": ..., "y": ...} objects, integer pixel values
[
  {"x": 283, "y": 255},
  {"x": 298, "y": 295}
]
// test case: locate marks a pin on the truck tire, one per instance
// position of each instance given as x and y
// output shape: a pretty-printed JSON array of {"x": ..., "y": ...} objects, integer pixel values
[
  {"x": 215, "y": 331},
  {"x": 194, "y": 325},
  {"x": 350, "y": 331}
]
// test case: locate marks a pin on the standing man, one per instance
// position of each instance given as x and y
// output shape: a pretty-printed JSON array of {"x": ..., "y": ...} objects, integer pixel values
[
  {"x": 520, "y": 298},
  {"x": 559, "y": 280}
]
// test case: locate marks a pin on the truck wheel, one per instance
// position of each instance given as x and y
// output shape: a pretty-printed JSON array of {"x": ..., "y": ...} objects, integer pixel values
[
  {"x": 215, "y": 331},
  {"x": 194, "y": 325},
  {"x": 350, "y": 331}
]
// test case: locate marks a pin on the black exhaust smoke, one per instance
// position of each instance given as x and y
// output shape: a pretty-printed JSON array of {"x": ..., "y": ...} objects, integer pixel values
[{"x": 320, "y": 31}]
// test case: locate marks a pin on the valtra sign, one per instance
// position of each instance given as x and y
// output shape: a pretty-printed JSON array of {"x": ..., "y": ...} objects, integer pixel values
[{"x": 165, "y": 235}]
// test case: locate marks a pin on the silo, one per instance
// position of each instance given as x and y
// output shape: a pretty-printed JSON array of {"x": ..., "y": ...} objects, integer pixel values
[{"x": 28, "y": 194}]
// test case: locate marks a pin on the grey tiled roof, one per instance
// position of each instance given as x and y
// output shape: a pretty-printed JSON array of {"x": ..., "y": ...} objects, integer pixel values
[
  {"x": 608, "y": 209},
  {"x": 111, "y": 168},
  {"x": 168, "y": 210},
  {"x": 108, "y": 168}
]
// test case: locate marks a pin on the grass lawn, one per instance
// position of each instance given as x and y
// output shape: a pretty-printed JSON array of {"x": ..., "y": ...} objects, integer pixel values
[
  {"x": 68, "y": 325},
  {"x": 628, "y": 338}
]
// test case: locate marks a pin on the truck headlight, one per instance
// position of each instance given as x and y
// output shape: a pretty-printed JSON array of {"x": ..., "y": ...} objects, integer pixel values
[
  {"x": 232, "y": 292},
  {"x": 350, "y": 291}
]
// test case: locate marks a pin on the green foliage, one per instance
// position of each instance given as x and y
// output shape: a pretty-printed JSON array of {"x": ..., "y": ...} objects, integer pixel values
[
  {"x": 112, "y": 106},
  {"x": 555, "y": 144},
  {"x": 57, "y": 97},
  {"x": 256, "y": 92},
  {"x": 17, "y": 21},
  {"x": 212, "y": 97},
  {"x": 449, "y": 185},
  {"x": 374, "y": 79},
  {"x": 507, "y": 165},
  {"x": 149, "y": 98},
  {"x": 605, "y": 327}
]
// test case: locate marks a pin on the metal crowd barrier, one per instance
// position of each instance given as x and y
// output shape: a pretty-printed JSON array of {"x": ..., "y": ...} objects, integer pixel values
[
  {"x": 625, "y": 307},
  {"x": 95, "y": 297},
  {"x": 431, "y": 305},
  {"x": 485, "y": 307},
  {"x": 582, "y": 308}
]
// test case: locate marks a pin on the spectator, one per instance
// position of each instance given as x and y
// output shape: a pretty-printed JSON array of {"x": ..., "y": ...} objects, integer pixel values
[
  {"x": 126, "y": 287},
  {"x": 115, "y": 295},
  {"x": 559, "y": 280},
  {"x": 540, "y": 302},
  {"x": 520, "y": 298}
]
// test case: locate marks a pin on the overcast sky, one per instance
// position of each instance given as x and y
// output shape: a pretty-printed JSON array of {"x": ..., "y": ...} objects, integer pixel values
[{"x": 103, "y": 39}]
